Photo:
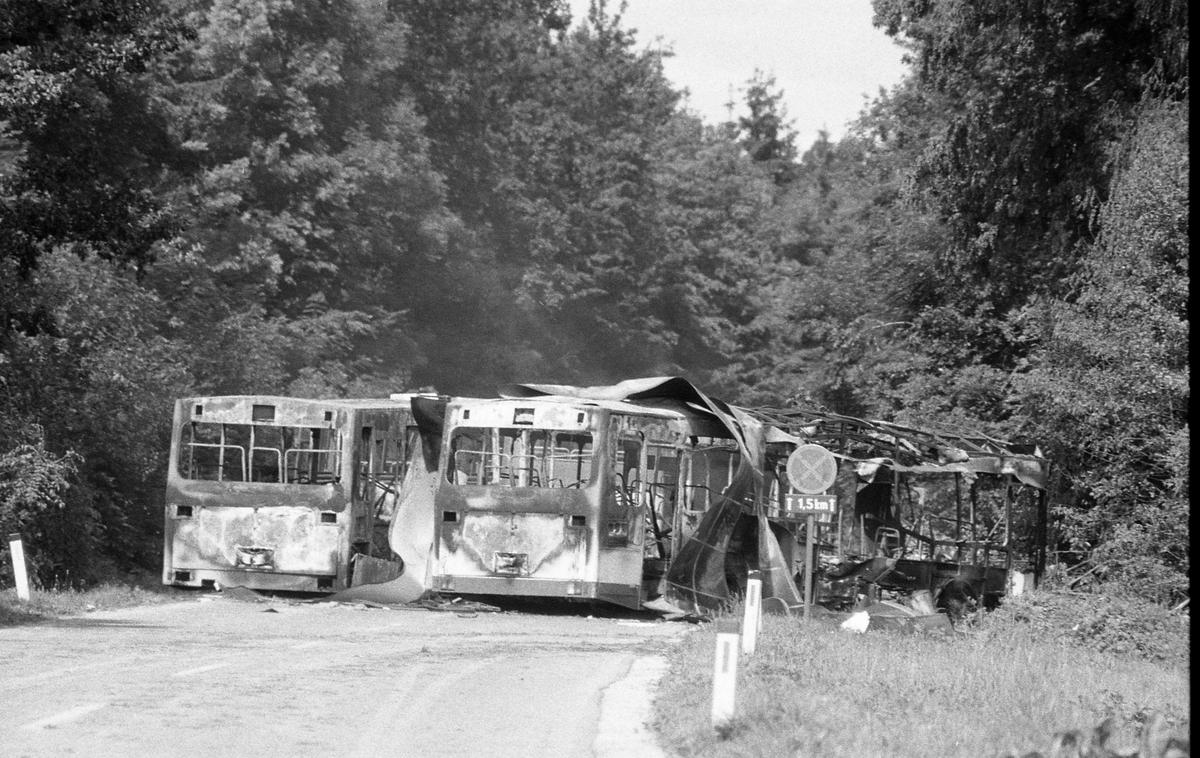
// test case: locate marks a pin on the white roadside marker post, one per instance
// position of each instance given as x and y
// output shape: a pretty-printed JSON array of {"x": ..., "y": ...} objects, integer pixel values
[
  {"x": 724, "y": 681},
  {"x": 752, "y": 618},
  {"x": 17, "y": 551}
]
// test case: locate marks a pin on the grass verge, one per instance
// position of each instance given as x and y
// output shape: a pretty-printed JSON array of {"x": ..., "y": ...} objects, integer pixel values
[
  {"x": 49, "y": 604},
  {"x": 1008, "y": 683}
]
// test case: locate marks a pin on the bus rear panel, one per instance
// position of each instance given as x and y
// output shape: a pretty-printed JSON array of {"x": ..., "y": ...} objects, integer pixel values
[
  {"x": 547, "y": 498},
  {"x": 278, "y": 493}
]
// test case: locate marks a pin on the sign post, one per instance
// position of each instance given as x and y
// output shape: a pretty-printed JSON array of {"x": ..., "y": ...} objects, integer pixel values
[
  {"x": 815, "y": 509},
  {"x": 809, "y": 525},
  {"x": 812, "y": 470}
]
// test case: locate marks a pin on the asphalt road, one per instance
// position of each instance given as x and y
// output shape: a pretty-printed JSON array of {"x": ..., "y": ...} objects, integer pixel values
[{"x": 219, "y": 676}]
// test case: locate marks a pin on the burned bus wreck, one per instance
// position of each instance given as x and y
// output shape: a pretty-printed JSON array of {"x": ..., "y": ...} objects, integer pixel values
[
  {"x": 650, "y": 494},
  {"x": 569, "y": 493},
  {"x": 943, "y": 517},
  {"x": 280, "y": 493}
]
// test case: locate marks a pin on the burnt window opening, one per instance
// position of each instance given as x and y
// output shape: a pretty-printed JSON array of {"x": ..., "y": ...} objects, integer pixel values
[
  {"x": 384, "y": 458},
  {"x": 662, "y": 493},
  {"x": 523, "y": 417},
  {"x": 627, "y": 470},
  {"x": 510, "y": 457},
  {"x": 258, "y": 453},
  {"x": 709, "y": 471}
]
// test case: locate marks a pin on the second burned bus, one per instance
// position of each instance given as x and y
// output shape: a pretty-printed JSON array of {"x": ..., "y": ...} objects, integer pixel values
[
  {"x": 281, "y": 493},
  {"x": 569, "y": 497}
]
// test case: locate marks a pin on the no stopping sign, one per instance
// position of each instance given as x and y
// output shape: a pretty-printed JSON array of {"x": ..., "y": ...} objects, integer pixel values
[{"x": 811, "y": 469}]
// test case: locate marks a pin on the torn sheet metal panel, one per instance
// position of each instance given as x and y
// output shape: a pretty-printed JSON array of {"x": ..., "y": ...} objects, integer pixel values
[
  {"x": 874, "y": 443},
  {"x": 371, "y": 570},
  {"x": 696, "y": 580},
  {"x": 779, "y": 590},
  {"x": 708, "y": 417},
  {"x": 1031, "y": 471},
  {"x": 411, "y": 531}
]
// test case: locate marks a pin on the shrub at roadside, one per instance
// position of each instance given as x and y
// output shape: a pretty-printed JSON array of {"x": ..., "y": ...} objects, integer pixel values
[
  {"x": 33, "y": 495},
  {"x": 1103, "y": 623}
]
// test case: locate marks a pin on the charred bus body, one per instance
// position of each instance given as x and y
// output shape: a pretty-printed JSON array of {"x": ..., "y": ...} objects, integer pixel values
[
  {"x": 567, "y": 497},
  {"x": 954, "y": 516},
  {"x": 280, "y": 493},
  {"x": 626, "y": 492},
  {"x": 644, "y": 494}
]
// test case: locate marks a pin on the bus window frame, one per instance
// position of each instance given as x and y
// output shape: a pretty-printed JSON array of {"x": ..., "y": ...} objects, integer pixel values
[
  {"x": 495, "y": 467},
  {"x": 329, "y": 473}
]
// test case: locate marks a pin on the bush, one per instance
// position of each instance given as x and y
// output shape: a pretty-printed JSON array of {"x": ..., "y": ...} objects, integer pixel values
[
  {"x": 33, "y": 495},
  {"x": 1104, "y": 623}
]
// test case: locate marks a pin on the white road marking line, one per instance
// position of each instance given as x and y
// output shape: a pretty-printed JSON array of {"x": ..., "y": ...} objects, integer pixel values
[
  {"x": 64, "y": 717},
  {"x": 19, "y": 681},
  {"x": 200, "y": 669}
]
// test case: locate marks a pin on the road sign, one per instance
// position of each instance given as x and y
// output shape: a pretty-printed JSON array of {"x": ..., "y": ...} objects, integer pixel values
[
  {"x": 797, "y": 505},
  {"x": 811, "y": 469}
]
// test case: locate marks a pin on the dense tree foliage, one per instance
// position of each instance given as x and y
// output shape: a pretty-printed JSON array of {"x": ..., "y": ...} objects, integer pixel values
[
  {"x": 1109, "y": 393},
  {"x": 83, "y": 368},
  {"x": 313, "y": 198},
  {"x": 313, "y": 210},
  {"x": 88, "y": 138}
]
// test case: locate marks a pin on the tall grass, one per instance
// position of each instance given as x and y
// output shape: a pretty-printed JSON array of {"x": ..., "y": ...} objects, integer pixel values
[
  {"x": 56, "y": 603},
  {"x": 811, "y": 689}
]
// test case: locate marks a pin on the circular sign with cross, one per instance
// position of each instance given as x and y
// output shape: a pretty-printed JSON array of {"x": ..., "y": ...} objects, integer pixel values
[{"x": 811, "y": 469}]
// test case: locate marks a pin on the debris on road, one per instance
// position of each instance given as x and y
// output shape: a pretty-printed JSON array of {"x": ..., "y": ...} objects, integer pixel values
[{"x": 887, "y": 614}]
